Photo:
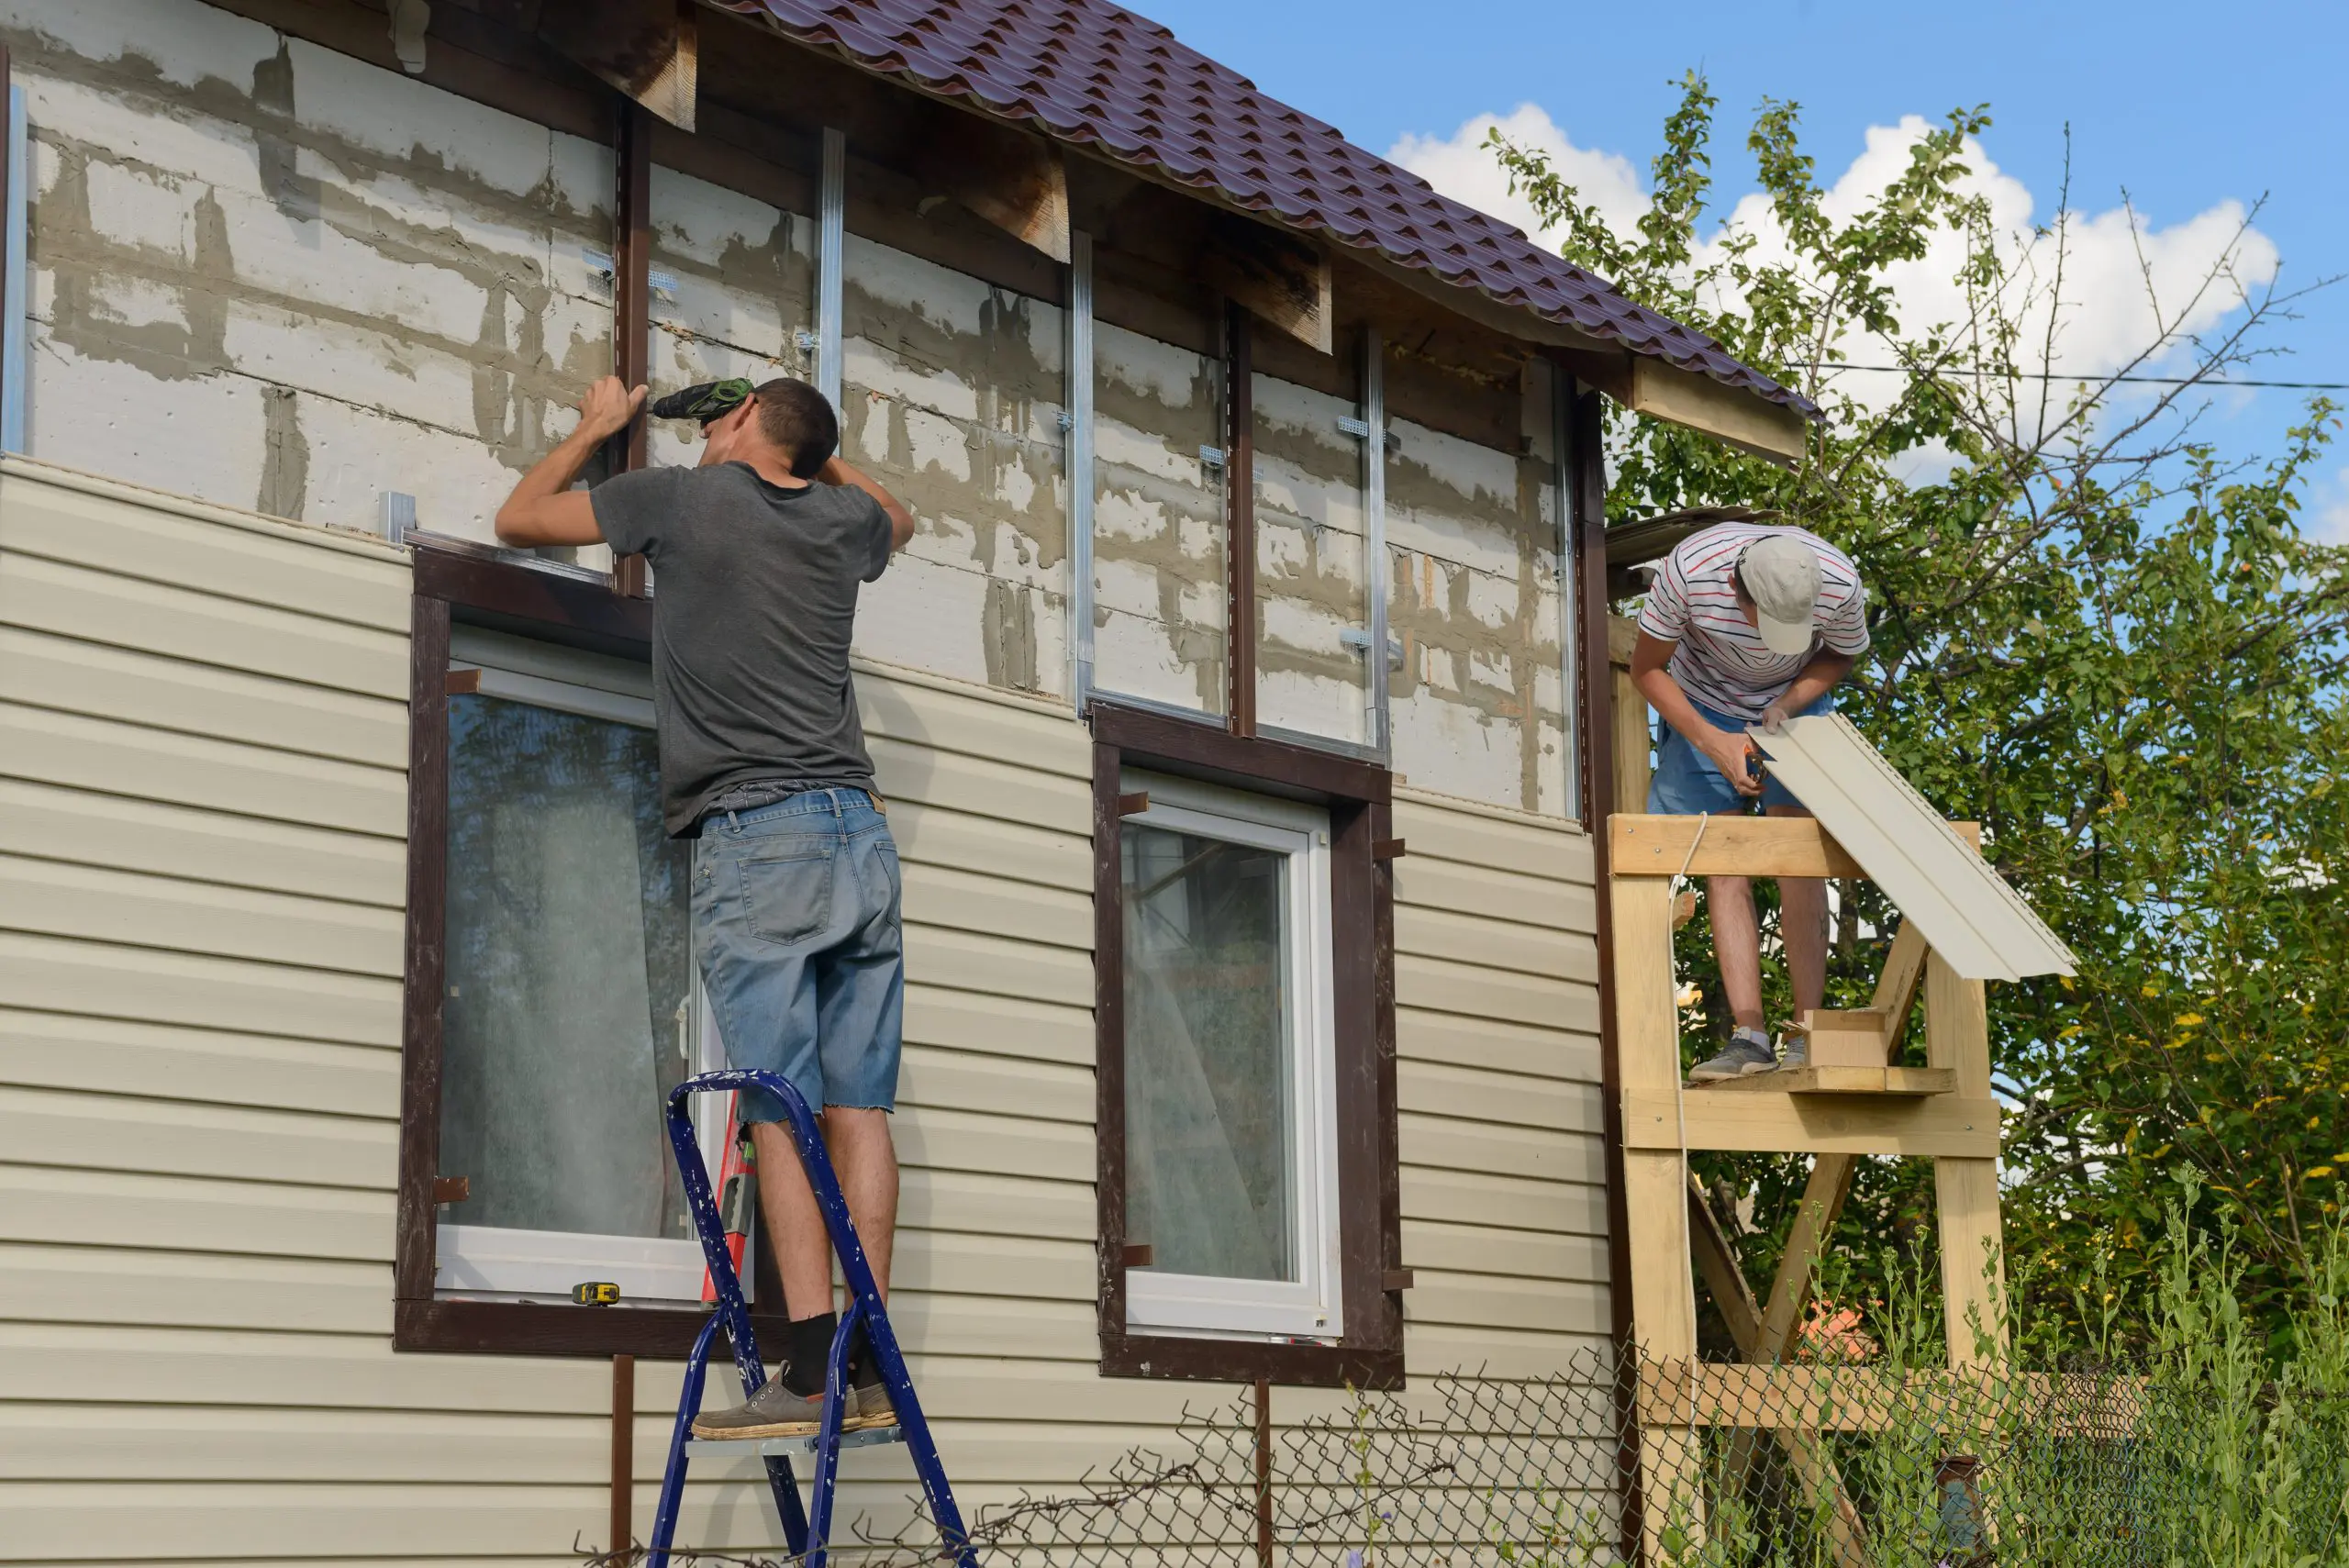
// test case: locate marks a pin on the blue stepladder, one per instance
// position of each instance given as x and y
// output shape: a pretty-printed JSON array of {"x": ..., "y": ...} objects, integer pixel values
[{"x": 808, "y": 1532}]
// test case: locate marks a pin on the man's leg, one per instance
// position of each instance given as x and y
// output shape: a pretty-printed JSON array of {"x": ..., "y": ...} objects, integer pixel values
[
  {"x": 802, "y": 1255},
  {"x": 866, "y": 1160},
  {"x": 1737, "y": 945},
  {"x": 1802, "y": 926}
]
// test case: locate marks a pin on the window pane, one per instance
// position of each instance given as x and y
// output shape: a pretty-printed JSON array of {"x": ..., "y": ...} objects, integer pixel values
[
  {"x": 1209, "y": 1117},
  {"x": 568, "y": 974}
]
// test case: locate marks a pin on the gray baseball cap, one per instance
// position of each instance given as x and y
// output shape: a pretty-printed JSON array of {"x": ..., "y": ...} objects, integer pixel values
[{"x": 1781, "y": 574}]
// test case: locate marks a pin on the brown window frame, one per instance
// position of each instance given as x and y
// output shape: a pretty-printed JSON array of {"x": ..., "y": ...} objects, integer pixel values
[
  {"x": 457, "y": 583},
  {"x": 1358, "y": 796}
]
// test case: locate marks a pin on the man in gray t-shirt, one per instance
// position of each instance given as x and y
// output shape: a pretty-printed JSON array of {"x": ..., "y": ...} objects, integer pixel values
[{"x": 758, "y": 555}]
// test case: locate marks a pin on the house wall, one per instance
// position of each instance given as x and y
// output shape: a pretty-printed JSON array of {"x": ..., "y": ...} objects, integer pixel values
[{"x": 202, "y": 803}]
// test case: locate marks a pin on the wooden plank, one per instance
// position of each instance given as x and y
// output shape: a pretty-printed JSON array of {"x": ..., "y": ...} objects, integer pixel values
[
  {"x": 1957, "y": 1039},
  {"x": 1011, "y": 179},
  {"x": 1764, "y": 1123},
  {"x": 110, "y": 758},
  {"x": 44, "y": 670},
  {"x": 1790, "y": 1292},
  {"x": 1654, "y": 1178},
  {"x": 1896, "y": 989},
  {"x": 1282, "y": 280},
  {"x": 1907, "y": 1082},
  {"x": 1865, "y": 1400},
  {"x": 1643, "y": 846}
]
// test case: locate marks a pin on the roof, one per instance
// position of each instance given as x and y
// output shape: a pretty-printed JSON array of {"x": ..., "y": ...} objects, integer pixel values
[
  {"x": 1097, "y": 74},
  {"x": 1964, "y": 909}
]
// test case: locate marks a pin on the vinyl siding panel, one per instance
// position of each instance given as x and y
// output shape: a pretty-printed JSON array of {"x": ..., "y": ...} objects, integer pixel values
[{"x": 201, "y": 875}]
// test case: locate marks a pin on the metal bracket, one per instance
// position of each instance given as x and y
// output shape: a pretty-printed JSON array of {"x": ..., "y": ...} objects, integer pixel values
[
  {"x": 1358, "y": 429},
  {"x": 1212, "y": 456},
  {"x": 1358, "y": 639}
]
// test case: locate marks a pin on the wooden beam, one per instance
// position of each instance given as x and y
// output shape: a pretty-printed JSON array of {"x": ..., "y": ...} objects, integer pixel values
[
  {"x": 1743, "y": 419},
  {"x": 1896, "y": 989},
  {"x": 650, "y": 49},
  {"x": 1843, "y": 1038},
  {"x": 1828, "y": 1078},
  {"x": 1863, "y": 1399},
  {"x": 632, "y": 300},
  {"x": 1761, "y": 1122},
  {"x": 1734, "y": 846},
  {"x": 1240, "y": 519},
  {"x": 1282, "y": 280},
  {"x": 1815, "y": 1217},
  {"x": 1974, "y": 1271},
  {"x": 1013, "y": 180}
]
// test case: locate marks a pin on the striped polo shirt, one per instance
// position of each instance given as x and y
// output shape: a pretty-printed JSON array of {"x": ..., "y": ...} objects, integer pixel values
[{"x": 1721, "y": 661}]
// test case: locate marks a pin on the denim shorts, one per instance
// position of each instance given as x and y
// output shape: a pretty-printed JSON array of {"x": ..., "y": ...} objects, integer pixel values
[
  {"x": 1687, "y": 784},
  {"x": 795, "y": 912}
]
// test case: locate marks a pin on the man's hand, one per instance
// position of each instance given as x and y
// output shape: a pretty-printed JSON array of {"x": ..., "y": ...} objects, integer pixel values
[
  {"x": 1774, "y": 718},
  {"x": 1733, "y": 756},
  {"x": 609, "y": 407},
  {"x": 544, "y": 509}
]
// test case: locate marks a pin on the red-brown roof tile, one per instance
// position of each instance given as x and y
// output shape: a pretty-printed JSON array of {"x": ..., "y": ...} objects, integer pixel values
[{"x": 1088, "y": 71}]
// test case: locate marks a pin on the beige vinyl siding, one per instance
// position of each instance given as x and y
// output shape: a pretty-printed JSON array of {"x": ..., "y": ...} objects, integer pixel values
[
  {"x": 1496, "y": 1072},
  {"x": 202, "y": 871}
]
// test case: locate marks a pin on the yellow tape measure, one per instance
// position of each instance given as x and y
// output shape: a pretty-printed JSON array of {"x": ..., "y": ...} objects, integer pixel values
[{"x": 598, "y": 1293}]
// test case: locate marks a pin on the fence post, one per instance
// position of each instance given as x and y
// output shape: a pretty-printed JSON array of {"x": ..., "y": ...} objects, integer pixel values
[{"x": 1263, "y": 1473}]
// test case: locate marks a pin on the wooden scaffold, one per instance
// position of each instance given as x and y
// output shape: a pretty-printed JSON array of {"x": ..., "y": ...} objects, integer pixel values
[{"x": 1960, "y": 926}]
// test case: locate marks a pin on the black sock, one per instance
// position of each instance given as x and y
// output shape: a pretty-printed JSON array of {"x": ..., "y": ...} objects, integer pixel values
[
  {"x": 864, "y": 1370},
  {"x": 807, "y": 1350}
]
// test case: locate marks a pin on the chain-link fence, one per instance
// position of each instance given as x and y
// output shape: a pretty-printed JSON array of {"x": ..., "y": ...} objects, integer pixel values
[{"x": 1619, "y": 1459}]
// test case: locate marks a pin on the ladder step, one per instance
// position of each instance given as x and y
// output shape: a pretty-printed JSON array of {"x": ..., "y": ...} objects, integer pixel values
[{"x": 782, "y": 1447}]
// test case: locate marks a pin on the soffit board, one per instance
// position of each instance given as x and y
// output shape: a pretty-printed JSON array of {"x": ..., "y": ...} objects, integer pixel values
[{"x": 1965, "y": 911}]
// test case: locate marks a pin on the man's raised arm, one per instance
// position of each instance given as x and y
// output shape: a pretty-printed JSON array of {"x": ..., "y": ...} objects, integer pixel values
[
  {"x": 544, "y": 509},
  {"x": 901, "y": 522}
]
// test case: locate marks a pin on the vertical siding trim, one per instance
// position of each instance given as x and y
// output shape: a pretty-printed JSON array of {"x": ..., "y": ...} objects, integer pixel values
[
  {"x": 831, "y": 229},
  {"x": 1374, "y": 506},
  {"x": 1078, "y": 369},
  {"x": 1564, "y": 499},
  {"x": 426, "y": 962},
  {"x": 1240, "y": 518}
]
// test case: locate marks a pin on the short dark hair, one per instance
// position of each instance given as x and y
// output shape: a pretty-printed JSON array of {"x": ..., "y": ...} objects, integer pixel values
[{"x": 798, "y": 420}]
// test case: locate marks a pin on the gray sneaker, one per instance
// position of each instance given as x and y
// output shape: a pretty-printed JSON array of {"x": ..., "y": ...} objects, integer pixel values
[
  {"x": 774, "y": 1411},
  {"x": 874, "y": 1408},
  {"x": 1748, "y": 1051},
  {"x": 1794, "y": 1048}
]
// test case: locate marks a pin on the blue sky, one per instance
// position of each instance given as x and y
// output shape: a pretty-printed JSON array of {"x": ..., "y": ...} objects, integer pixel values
[{"x": 2184, "y": 108}]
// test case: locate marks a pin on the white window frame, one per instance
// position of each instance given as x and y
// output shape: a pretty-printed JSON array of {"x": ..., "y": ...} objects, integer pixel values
[
  {"x": 507, "y": 1263},
  {"x": 1310, "y": 1308}
]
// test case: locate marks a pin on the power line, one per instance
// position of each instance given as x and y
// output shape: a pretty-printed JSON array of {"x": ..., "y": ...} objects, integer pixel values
[{"x": 2061, "y": 375}]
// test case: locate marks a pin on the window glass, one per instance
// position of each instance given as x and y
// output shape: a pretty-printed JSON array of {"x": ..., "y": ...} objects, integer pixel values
[
  {"x": 1209, "y": 1055},
  {"x": 568, "y": 1014}
]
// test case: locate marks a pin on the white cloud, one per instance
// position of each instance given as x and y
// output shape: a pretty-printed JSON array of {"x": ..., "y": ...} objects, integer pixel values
[
  {"x": 2123, "y": 278},
  {"x": 1464, "y": 168},
  {"x": 2327, "y": 520}
]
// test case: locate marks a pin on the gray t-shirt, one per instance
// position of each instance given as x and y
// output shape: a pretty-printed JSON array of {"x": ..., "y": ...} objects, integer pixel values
[{"x": 755, "y": 596}]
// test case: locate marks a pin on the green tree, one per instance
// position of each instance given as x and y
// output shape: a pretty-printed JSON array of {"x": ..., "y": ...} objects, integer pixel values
[{"x": 2113, "y": 647}]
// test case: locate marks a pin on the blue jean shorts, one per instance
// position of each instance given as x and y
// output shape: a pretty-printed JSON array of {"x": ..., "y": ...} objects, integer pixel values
[
  {"x": 1687, "y": 784},
  {"x": 795, "y": 912}
]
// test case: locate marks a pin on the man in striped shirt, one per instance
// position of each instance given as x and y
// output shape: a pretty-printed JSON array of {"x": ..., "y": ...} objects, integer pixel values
[{"x": 1746, "y": 625}]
